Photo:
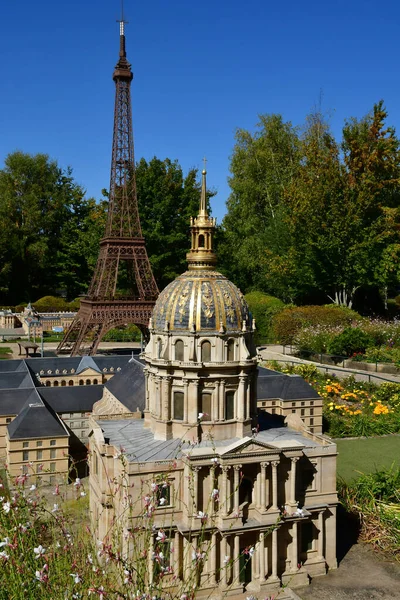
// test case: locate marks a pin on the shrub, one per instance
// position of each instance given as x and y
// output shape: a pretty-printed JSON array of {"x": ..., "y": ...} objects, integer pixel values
[
  {"x": 130, "y": 333},
  {"x": 315, "y": 339},
  {"x": 350, "y": 341},
  {"x": 50, "y": 304},
  {"x": 290, "y": 320},
  {"x": 263, "y": 309}
]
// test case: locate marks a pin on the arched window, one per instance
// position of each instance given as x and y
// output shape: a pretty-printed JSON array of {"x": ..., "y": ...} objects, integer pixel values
[
  {"x": 88, "y": 382},
  {"x": 201, "y": 241},
  {"x": 48, "y": 383},
  {"x": 71, "y": 382},
  {"x": 178, "y": 405},
  {"x": 63, "y": 383},
  {"x": 179, "y": 347},
  {"x": 55, "y": 384},
  {"x": 81, "y": 382},
  {"x": 206, "y": 351},
  {"x": 229, "y": 405},
  {"x": 95, "y": 381},
  {"x": 230, "y": 354},
  {"x": 205, "y": 406}
]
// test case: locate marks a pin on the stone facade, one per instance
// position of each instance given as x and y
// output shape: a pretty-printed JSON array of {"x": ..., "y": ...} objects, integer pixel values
[{"x": 256, "y": 500}]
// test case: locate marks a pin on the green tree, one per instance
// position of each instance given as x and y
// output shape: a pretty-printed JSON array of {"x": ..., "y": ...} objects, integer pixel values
[
  {"x": 167, "y": 199},
  {"x": 262, "y": 165},
  {"x": 41, "y": 209}
]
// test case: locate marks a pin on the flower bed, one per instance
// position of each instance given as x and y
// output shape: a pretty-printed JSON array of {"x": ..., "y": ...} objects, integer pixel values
[{"x": 351, "y": 408}]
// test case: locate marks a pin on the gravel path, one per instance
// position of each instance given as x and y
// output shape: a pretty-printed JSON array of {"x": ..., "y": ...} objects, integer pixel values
[{"x": 362, "y": 575}]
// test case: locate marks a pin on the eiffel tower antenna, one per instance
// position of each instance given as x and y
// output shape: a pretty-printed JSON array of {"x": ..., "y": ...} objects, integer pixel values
[{"x": 105, "y": 306}]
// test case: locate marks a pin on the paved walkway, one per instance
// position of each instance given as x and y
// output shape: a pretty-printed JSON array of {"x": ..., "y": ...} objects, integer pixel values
[{"x": 275, "y": 352}]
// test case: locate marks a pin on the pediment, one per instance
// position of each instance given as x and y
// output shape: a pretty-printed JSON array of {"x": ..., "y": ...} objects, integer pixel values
[
  {"x": 247, "y": 446},
  {"x": 88, "y": 372}
]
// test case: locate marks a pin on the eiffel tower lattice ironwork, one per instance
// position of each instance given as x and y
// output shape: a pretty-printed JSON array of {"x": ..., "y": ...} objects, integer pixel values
[{"x": 103, "y": 308}]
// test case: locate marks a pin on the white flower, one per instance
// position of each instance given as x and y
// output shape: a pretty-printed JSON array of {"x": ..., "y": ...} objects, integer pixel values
[
  {"x": 77, "y": 482},
  {"x": 32, "y": 488},
  {"x": 5, "y": 542},
  {"x": 6, "y": 507},
  {"x": 251, "y": 551},
  {"x": 76, "y": 577},
  {"x": 214, "y": 494},
  {"x": 1, "y": 498},
  {"x": 38, "y": 575},
  {"x": 154, "y": 487},
  {"x": 55, "y": 508},
  {"x": 162, "y": 501},
  {"x": 201, "y": 415},
  {"x": 39, "y": 551},
  {"x": 201, "y": 515},
  {"x": 226, "y": 560},
  {"x": 214, "y": 460},
  {"x": 83, "y": 494},
  {"x": 161, "y": 537},
  {"x": 4, "y": 555},
  {"x": 90, "y": 559}
]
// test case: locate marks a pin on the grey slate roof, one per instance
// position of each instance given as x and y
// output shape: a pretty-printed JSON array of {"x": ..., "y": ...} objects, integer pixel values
[
  {"x": 271, "y": 384},
  {"x": 87, "y": 362},
  {"x": 72, "y": 399},
  {"x": 12, "y": 401},
  {"x": 12, "y": 365},
  {"x": 139, "y": 444},
  {"x": 128, "y": 385},
  {"x": 36, "y": 420},
  {"x": 18, "y": 379}
]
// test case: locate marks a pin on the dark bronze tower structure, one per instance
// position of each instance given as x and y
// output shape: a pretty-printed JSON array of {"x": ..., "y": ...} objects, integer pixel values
[{"x": 123, "y": 246}]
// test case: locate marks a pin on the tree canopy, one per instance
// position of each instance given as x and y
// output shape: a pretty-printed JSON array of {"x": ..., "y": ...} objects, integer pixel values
[{"x": 310, "y": 218}]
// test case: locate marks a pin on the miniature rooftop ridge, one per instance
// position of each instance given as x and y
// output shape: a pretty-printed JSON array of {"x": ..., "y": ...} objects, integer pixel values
[
  {"x": 87, "y": 362},
  {"x": 37, "y": 419}
]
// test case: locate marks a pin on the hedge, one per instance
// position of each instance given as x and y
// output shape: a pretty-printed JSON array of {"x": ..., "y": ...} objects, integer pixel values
[{"x": 263, "y": 308}]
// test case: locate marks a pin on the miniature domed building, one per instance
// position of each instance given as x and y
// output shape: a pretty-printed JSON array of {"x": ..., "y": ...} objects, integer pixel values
[{"x": 201, "y": 359}]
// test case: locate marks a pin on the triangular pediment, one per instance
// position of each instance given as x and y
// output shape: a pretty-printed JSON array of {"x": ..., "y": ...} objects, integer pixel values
[
  {"x": 247, "y": 446},
  {"x": 88, "y": 372}
]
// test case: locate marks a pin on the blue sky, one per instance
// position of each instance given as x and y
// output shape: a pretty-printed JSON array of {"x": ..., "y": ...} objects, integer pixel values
[{"x": 201, "y": 70}]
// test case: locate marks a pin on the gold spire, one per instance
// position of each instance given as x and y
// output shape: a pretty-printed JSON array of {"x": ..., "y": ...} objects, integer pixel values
[{"x": 201, "y": 255}]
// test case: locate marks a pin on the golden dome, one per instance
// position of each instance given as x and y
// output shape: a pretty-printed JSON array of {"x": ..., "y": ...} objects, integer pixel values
[{"x": 200, "y": 301}]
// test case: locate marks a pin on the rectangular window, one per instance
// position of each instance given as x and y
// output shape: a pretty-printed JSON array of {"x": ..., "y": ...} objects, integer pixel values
[
  {"x": 273, "y": 411},
  {"x": 273, "y": 402},
  {"x": 25, "y": 469},
  {"x": 264, "y": 404},
  {"x": 307, "y": 536},
  {"x": 293, "y": 403},
  {"x": 52, "y": 453},
  {"x": 52, "y": 442},
  {"x": 25, "y": 444},
  {"x": 164, "y": 495},
  {"x": 39, "y": 454},
  {"x": 205, "y": 406},
  {"x": 303, "y": 403},
  {"x": 293, "y": 410},
  {"x": 52, "y": 479},
  {"x": 311, "y": 421},
  {"x": 52, "y": 467},
  {"x": 38, "y": 468},
  {"x": 25, "y": 455},
  {"x": 39, "y": 443},
  {"x": 83, "y": 423},
  {"x": 312, "y": 403},
  {"x": 83, "y": 434},
  {"x": 302, "y": 411},
  {"x": 311, "y": 411},
  {"x": 178, "y": 405},
  {"x": 8, "y": 420},
  {"x": 230, "y": 405}
]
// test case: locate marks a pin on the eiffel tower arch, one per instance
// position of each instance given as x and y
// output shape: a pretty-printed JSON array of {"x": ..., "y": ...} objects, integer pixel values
[{"x": 123, "y": 245}]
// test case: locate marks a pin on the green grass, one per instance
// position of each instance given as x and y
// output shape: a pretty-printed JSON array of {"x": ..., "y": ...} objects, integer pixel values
[
  {"x": 367, "y": 455},
  {"x": 5, "y": 350}
]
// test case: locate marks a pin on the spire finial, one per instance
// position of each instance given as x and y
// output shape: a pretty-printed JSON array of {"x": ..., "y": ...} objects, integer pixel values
[
  {"x": 203, "y": 198},
  {"x": 122, "y": 20}
]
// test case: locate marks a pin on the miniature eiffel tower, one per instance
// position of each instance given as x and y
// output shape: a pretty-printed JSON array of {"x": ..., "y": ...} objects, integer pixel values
[{"x": 104, "y": 308}]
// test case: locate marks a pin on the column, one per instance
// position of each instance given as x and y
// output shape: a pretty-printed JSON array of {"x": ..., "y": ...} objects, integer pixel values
[
  {"x": 213, "y": 556},
  {"x": 222, "y": 400},
  {"x": 241, "y": 399},
  {"x": 263, "y": 490},
  {"x": 248, "y": 392},
  {"x": 274, "y": 464},
  {"x": 255, "y": 562},
  {"x": 236, "y": 560},
  {"x": 320, "y": 548},
  {"x": 223, "y": 564},
  {"x": 292, "y": 498},
  {"x": 176, "y": 554},
  {"x": 295, "y": 559},
  {"x": 185, "y": 400},
  {"x": 262, "y": 556},
  {"x": 193, "y": 401},
  {"x": 216, "y": 403},
  {"x": 274, "y": 566},
  {"x": 166, "y": 404},
  {"x": 150, "y": 559},
  {"x": 236, "y": 485},
  {"x": 195, "y": 492},
  {"x": 146, "y": 378},
  {"x": 225, "y": 496}
]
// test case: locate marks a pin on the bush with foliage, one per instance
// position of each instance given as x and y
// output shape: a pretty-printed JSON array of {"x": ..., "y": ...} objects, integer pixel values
[
  {"x": 315, "y": 339},
  {"x": 263, "y": 308},
  {"x": 50, "y": 304},
  {"x": 350, "y": 341},
  {"x": 290, "y": 321},
  {"x": 130, "y": 333}
]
